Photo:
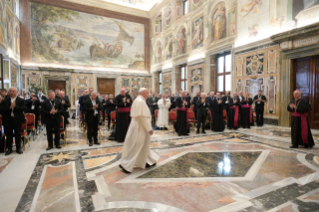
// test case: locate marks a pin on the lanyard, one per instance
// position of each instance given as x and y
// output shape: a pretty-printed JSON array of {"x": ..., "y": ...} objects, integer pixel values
[{"x": 53, "y": 105}]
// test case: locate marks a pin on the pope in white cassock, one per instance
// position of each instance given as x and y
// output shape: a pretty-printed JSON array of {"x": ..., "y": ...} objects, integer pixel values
[
  {"x": 136, "y": 150},
  {"x": 163, "y": 105}
]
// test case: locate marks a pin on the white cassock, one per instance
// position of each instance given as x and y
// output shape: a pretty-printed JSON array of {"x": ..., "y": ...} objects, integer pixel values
[
  {"x": 136, "y": 149},
  {"x": 162, "y": 119}
]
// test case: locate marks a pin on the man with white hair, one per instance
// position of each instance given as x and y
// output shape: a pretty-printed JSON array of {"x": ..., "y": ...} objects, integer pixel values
[
  {"x": 300, "y": 129},
  {"x": 164, "y": 104},
  {"x": 123, "y": 101},
  {"x": 13, "y": 118},
  {"x": 136, "y": 149},
  {"x": 202, "y": 105}
]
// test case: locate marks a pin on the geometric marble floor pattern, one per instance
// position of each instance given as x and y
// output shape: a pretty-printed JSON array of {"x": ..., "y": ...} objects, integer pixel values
[{"x": 244, "y": 170}]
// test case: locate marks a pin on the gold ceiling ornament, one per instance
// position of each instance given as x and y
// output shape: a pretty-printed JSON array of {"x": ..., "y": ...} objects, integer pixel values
[{"x": 60, "y": 157}]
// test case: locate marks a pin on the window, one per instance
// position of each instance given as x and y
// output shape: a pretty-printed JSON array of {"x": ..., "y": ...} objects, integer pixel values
[
  {"x": 184, "y": 77},
  {"x": 224, "y": 81},
  {"x": 6, "y": 74},
  {"x": 158, "y": 24},
  {"x": 185, "y": 7},
  {"x": 160, "y": 82},
  {"x": 16, "y": 8}
]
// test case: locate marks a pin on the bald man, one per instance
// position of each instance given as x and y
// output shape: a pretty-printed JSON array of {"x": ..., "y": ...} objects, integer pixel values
[
  {"x": 12, "y": 119},
  {"x": 300, "y": 129},
  {"x": 123, "y": 101}
]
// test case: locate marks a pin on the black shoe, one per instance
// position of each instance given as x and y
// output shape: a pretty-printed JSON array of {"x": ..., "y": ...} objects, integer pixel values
[
  {"x": 97, "y": 143},
  {"x": 19, "y": 151},
  {"x": 8, "y": 152},
  {"x": 124, "y": 170},
  {"x": 58, "y": 147},
  {"x": 165, "y": 128},
  {"x": 293, "y": 147},
  {"x": 148, "y": 166},
  {"x": 90, "y": 144},
  {"x": 49, "y": 148}
]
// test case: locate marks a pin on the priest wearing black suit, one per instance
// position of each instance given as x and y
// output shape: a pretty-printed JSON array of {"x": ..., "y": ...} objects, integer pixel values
[
  {"x": 152, "y": 104},
  {"x": 218, "y": 124},
  {"x": 52, "y": 109},
  {"x": 33, "y": 104},
  {"x": 181, "y": 125},
  {"x": 66, "y": 105},
  {"x": 260, "y": 101},
  {"x": 202, "y": 104},
  {"x": 12, "y": 119},
  {"x": 92, "y": 106},
  {"x": 194, "y": 102}
]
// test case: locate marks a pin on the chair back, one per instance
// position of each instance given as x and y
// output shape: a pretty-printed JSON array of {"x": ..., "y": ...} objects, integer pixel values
[
  {"x": 172, "y": 116},
  {"x": 24, "y": 126},
  {"x": 31, "y": 118},
  {"x": 174, "y": 110},
  {"x": 224, "y": 113},
  {"x": 156, "y": 113},
  {"x": 113, "y": 115},
  {"x": 191, "y": 107},
  {"x": 191, "y": 114},
  {"x": 62, "y": 123}
]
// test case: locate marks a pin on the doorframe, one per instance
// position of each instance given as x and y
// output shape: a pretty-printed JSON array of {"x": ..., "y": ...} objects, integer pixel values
[
  {"x": 115, "y": 93},
  {"x": 287, "y": 78},
  {"x": 67, "y": 79},
  {"x": 117, "y": 78}
]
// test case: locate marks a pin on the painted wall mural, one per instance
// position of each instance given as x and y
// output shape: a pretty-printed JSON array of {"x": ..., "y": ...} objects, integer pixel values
[
  {"x": 271, "y": 93},
  {"x": 79, "y": 83},
  {"x": 181, "y": 41},
  {"x": 167, "y": 81},
  {"x": 70, "y": 37},
  {"x": 14, "y": 74},
  {"x": 158, "y": 52},
  {"x": 255, "y": 64},
  {"x": 169, "y": 47},
  {"x": 196, "y": 78},
  {"x": 197, "y": 32},
  {"x": 3, "y": 27},
  {"x": 218, "y": 26}
]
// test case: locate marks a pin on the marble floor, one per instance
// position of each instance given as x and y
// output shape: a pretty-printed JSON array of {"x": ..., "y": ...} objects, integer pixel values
[{"x": 243, "y": 170}]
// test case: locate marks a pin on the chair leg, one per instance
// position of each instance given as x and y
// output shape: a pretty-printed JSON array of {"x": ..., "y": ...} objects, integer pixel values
[
  {"x": 28, "y": 140},
  {"x": 5, "y": 143},
  {"x": 24, "y": 138}
]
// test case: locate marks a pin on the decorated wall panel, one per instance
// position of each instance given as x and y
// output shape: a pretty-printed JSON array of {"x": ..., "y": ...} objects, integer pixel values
[
  {"x": 29, "y": 78},
  {"x": 79, "y": 83},
  {"x": 15, "y": 72},
  {"x": 259, "y": 70},
  {"x": 196, "y": 79},
  {"x": 135, "y": 83},
  {"x": 167, "y": 81}
]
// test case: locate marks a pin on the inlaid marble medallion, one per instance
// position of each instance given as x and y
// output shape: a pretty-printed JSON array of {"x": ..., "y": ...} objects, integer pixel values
[{"x": 206, "y": 164}]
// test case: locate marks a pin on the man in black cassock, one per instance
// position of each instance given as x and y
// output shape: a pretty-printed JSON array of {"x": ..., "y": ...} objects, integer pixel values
[
  {"x": 246, "y": 113},
  {"x": 123, "y": 102},
  {"x": 194, "y": 102},
  {"x": 300, "y": 129},
  {"x": 218, "y": 124},
  {"x": 260, "y": 101},
  {"x": 33, "y": 106},
  {"x": 202, "y": 104},
  {"x": 152, "y": 104},
  {"x": 226, "y": 99},
  {"x": 181, "y": 125},
  {"x": 233, "y": 112}
]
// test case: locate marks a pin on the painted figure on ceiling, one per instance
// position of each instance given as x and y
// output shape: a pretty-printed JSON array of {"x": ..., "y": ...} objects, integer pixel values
[
  {"x": 218, "y": 24},
  {"x": 197, "y": 33},
  {"x": 252, "y": 5}
]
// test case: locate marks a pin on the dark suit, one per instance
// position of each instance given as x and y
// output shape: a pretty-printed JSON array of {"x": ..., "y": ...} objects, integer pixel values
[
  {"x": 92, "y": 118},
  {"x": 259, "y": 108},
  {"x": 109, "y": 107},
  {"x": 194, "y": 102},
  {"x": 33, "y": 106},
  {"x": 201, "y": 114},
  {"x": 41, "y": 98},
  {"x": 150, "y": 102},
  {"x": 226, "y": 100},
  {"x": 66, "y": 107},
  {"x": 52, "y": 121},
  {"x": 13, "y": 123},
  {"x": 172, "y": 103}
]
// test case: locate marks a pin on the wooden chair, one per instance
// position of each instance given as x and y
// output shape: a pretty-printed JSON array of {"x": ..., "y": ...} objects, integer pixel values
[
  {"x": 106, "y": 119},
  {"x": 172, "y": 117},
  {"x": 31, "y": 123},
  {"x": 23, "y": 133},
  {"x": 191, "y": 117},
  {"x": 156, "y": 115},
  {"x": 113, "y": 118}
]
